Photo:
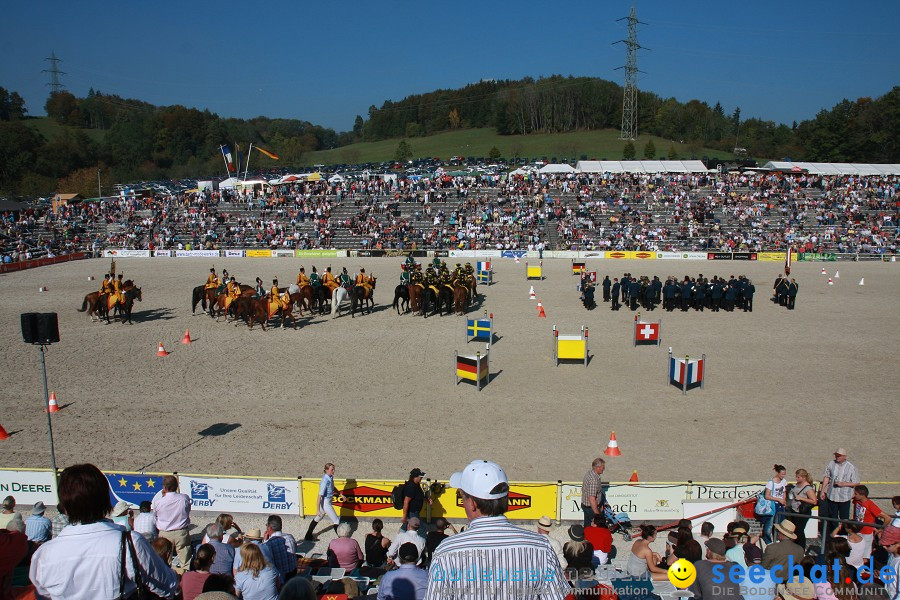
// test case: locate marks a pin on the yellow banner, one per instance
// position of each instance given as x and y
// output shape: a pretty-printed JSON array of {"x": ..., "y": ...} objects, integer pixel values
[
  {"x": 771, "y": 256},
  {"x": 640, "y": 255},
  {"x": 369, "y": 498},
  {"x": 259, "y": 253}
]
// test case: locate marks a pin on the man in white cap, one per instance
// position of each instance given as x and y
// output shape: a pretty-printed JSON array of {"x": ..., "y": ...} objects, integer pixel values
[
  {"x": 511, "y": 562},
  {"x": 838, "y": 481}
]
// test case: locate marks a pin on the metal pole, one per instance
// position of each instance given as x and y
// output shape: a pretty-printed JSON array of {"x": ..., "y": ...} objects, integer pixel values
[
  {"x": 478, "y": 369},
  {"x": 49, "y": 423},
  {"x": 687, "y": 359},
  {"x": 99, "y": 192},
  {"x": 703, "y": 379},
  {"x": 585, "y": 346},
  {"x": 669, "y": 367},
  {"x": 247, "y": 165}
]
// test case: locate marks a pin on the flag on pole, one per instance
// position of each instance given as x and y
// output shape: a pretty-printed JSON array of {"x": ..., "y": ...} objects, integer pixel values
[
  {"x": 271, "y": 155},
  {"x": 788, "y": 258},
  {"x": 229, "y": 161}
]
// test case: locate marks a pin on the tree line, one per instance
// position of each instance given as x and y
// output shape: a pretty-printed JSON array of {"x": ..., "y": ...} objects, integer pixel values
[{"x": 852, "y": 131}]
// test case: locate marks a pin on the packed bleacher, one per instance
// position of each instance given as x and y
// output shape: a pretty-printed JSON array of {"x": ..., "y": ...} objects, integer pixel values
[
  {"x": 93, "y": 549},
  {"x": 656, "y": 212}
]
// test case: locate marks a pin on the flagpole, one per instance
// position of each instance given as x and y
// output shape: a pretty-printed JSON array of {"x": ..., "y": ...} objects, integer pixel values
[
  {"x": 247, "y": 166},
  {"x": 225, "y": 160}
]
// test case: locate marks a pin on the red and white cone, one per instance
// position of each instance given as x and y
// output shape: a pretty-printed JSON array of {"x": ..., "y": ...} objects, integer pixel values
[
  {"x": 161, "y": 351},
  {"x": 612, "y": 448},
  {"x": 531, "y": 295},
  {"x": 541, "y": 313},
  {"x": 52, "y": 405},
  {"x": 187, "y": 337},
  {"x": 823, "y": 271},
  {"x": 830, "y": 281},
  {"x": 3, "y": 434}
]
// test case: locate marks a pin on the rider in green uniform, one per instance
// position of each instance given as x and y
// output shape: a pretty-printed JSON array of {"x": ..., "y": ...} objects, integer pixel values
[
  {"x": 436, "y": 263},
  {"x": 404, "y": 275},
  {"x": 344, "y": 279},
  {"x": 314, "y": 279},
  {"x": 410, "y": 263}
]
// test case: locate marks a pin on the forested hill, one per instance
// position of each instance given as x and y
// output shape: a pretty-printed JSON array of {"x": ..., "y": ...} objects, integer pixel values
[{"x": 853, "y": 131}]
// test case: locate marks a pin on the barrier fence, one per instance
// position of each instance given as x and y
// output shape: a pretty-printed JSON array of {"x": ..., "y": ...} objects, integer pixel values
[
  {"x": 765, "y": 256},
  {"x": 369, "y": 498}
]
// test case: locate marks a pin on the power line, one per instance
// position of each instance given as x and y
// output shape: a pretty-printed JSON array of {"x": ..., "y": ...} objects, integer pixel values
[{"x": 55, "y": 85}]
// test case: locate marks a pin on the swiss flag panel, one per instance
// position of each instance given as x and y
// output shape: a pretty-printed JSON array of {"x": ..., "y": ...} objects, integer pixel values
[{"x": 646, "y": 332}]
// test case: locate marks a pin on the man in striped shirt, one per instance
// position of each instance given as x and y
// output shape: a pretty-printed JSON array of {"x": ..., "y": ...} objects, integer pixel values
[
  {"x": 838, "y": 481},
  {"x": 492, "y": 560}
]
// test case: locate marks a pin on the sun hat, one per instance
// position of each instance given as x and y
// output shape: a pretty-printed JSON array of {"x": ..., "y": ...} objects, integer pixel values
[
  {"x": 890, "y": 535},
  {"x": 841, "y": 452},
  {"x": 482, "y": 479},
  {"x": 787, "y": 528},
  {"x": 545, "y": 522},
  {"x": 576, "y": 532},
  {"x": 39, "y": 508},
  {"x": 253, "y": 534},
  {"x": 120, "y": 508}
]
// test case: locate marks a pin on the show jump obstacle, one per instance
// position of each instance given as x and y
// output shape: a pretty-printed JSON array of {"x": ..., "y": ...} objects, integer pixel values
[
  {"x": 534, "y": 272},
  {"x": 484, "y": 273},
  {"x": 687, "y": 373},
  {"x": 480, "y": 330},
  {"x": 474, "y": 367},
  {"x": 646, "y": 334},
  {"x": 577, "y": 268},
  {"x": 570, "y": 347}
]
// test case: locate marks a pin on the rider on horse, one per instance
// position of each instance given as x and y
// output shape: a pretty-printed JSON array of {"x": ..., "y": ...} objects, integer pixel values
[
  {"x": 364, "y": 281},
  {"x": 106, "y": 285},
  {"x": 260, "y": 290},
  {"x": 212, "y": 282},
  {"x": 469, "y": 271},
  {"x": 302, "y": 279},
  {"x": 329, "y": 281},
  {"x": 117, "y": 290},
  {"x": 314, "y": 279},
  {"x": 410, "y": 263},
  {"x": 459, "y": 274},
  {"x": 276, "y": 300},
  {"x": 344, "y": 279},
  {"x": 404, "y": 275},
  {"x": 416, "y": 276},
  {"x": 220, "y": 285}
]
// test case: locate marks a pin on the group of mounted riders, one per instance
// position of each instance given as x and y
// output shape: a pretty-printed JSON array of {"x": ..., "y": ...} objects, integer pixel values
[
  {"x": 114, "y": 296},
  {"x": 435, "y": 288},
  {"x": 256, "y": 304}
]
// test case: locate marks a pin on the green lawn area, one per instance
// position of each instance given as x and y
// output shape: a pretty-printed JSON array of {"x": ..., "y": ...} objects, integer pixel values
[
  {"x": 596, "y": 145},
  {"x": 49, "y": 128}
]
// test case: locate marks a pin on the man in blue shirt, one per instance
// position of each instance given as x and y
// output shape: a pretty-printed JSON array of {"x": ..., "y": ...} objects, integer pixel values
[
  {"x": 37, "y": 526},
  {"x": 408, "y": 582}
]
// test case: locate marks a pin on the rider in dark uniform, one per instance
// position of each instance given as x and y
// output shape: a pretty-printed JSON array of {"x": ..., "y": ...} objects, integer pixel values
[
  {"x": 314, "y": 279},
  {"x": 404, "y": 275}
]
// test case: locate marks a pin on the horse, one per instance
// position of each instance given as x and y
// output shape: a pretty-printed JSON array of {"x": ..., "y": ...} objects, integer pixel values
[
  {"x": 322, "y": 296},
  {"x": 363, "y": 298},
  {"x": 415, "y": 297},
  {"x": 340, "y": 294},
  {"x": 92, "y": 305},
  {"x": 253, "y": 308},
  {"x": 198, "y": 296},
  {"x": 401, "y": 297},
  {"x": 460, "y": 299},
  {"x": 444, "y": 297},
  {"x": 124, "y": 308}
]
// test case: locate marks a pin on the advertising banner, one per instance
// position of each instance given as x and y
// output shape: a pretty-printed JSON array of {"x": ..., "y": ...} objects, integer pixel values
[
  {"x": 439, "y": 253},
  {"x": 743, "y": 255},
  {"x": 133, "y": 488},
  {"x": 257, "y": 253},
  {"x": 771, "y": 256},
  {"x": 370, "y": 498},
  {"x": 283, "y": 253},
  {"x": 125, "y": 253},
  {"x": 39, "y": 262},
  {"x": 566, "y": 254},
  {"x": 162, "y": 253},
  {"x": 718, "y": 256},
  {"x": 234, "y": 253},
  {"x": 693, "y": 255},
  {"x": 486, "y": 253},
  {"x": 631, "y": 255},
  {"x": 28, "y": 487},
  {"x": 462, "y": 254},
  {"x": 811, "y": 256},
  {"x": 592, "y": 254},
  {"x": 641, "y": 502},
  {"x": 323, "y": 253},
  {"x": 240, "y": 495},
  {"x": 671, "y": 256},
  {"x": 506, "y": 254},
  {"x": 197, "y": 253}
]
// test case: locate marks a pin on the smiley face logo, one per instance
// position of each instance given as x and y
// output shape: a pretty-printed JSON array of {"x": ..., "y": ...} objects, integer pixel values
[{"x": 682, "y": 573}]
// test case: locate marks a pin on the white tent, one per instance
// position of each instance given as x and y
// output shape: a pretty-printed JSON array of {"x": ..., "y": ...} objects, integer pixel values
[
  {"x": 556, "y": 168},
  {"x": 588, "y": 166},
  {"x": 864, "y": 169},
  {"x": 229, "y": 184},
  {"x": 336, "y": 178}
]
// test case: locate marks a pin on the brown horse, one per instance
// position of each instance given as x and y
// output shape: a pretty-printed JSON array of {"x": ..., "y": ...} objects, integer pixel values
[
  {"x": 415, "y": 297},
  {"x": 363, "y": 297},
  {"x": 460, "y": 299},
  {"x": 93, "y": 307},
  {"x": 257, "y": 309}
]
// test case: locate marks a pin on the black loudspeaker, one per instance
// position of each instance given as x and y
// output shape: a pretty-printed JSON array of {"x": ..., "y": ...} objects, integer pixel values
[{"x": 40, "y": 328}]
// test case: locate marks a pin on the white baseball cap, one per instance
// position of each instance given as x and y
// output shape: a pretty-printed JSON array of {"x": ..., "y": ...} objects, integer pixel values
[{"x": 481, "y": 479}]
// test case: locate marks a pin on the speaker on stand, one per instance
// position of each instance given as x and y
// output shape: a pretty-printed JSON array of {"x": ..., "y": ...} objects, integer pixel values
[{"x": 42, "y": 329}]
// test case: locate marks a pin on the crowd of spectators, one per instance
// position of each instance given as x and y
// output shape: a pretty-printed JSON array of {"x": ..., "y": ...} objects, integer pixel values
[{"x": 656, "y": 212}]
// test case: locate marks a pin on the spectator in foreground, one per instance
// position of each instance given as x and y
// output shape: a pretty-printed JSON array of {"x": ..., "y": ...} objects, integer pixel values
[
  {"x": 145, "y": 521},
  {"x": 377, "y": 545},
  {"x": 255, "y": 579},
  {"x": 298, "y": 588},
  {"x": 83, "y": 563},
  {"x": 192, "y": 581},
  {"x": 283, "y": 548},
  {"x": 8, "y": 511},
  {"x": 37, "y": 526},
  {"x": 544, "y": 527},
  {"x": 703, "y": 587},
  {"x": 492, "y": 542},
  {"x": 345, "y": 550},
  {"x": 890, "y": 540},
  {"x": 408, "y": 582},
  {"x": 173, "y": 518},
  {"x": 410, "y": 535},
  {"x": 779, "y": 552},
  {"x": 224, "y": 552},
  {"x": 60, "y": 520}
]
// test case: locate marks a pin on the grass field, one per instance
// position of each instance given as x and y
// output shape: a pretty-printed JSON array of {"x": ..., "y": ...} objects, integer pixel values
[
  {"x": 596, "y": 145},
  {"x": 50, "y": 129}
]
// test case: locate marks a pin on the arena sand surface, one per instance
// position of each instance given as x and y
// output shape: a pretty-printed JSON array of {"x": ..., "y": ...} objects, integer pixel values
[{"x": 376, "y": 394}]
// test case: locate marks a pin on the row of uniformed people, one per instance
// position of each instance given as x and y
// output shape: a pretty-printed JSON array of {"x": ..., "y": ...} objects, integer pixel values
[
  {"x": 785, "y": 292},
  {"x": 691, "y": 292}
]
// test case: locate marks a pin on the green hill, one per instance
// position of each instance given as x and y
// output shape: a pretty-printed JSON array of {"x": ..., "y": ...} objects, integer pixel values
[
  {"x": 50, "y": 129},
  {"x": 599, "y": 145}
]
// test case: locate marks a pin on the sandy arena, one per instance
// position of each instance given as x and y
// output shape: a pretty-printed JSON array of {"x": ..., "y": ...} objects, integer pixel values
[{"x": 376, "y": 394}]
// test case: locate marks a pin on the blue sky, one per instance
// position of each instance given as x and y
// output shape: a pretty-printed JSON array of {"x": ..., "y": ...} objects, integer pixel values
[{"x": 326, "y": 62}]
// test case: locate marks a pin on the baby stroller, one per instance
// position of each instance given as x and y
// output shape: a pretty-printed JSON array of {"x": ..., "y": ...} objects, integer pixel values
[{"x": 618, "y": 522}]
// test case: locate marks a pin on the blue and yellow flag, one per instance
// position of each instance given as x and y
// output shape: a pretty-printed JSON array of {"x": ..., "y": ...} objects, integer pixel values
[
  {"x": 483, "y": 276},
  {"x": 133, "y": 488},
  {"x": 478, "y": 328}
]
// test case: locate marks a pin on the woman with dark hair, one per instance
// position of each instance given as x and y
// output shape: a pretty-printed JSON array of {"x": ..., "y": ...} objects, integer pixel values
[
  {"x": 192, "y": 581},
  {"x": 775, "y": 494},
  {"x": 376, "y": 545},
  {"x": 643, "y": 561},
  {"x": 84, "y": 561}
]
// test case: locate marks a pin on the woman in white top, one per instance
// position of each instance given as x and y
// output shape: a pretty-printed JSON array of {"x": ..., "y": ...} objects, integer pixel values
[
  {"x": 642, "y": 560},
  {"x": 774, "y": 493},
  {"x": 803, "y": 498}
]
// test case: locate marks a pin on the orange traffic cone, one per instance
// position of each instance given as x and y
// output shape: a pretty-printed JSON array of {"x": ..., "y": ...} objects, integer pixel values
[
  {"x": 634, "y": 477},
  {"x": 3, "y": 434},
  {"x": 53, "y": 405},
  {"x": 612, "y": 448},
  {"x": 531, "y": 295},
  {"x": 187, "y": 337},
  {"x": 161, "y": 351},
  {"x": 541, "y": 313}
]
